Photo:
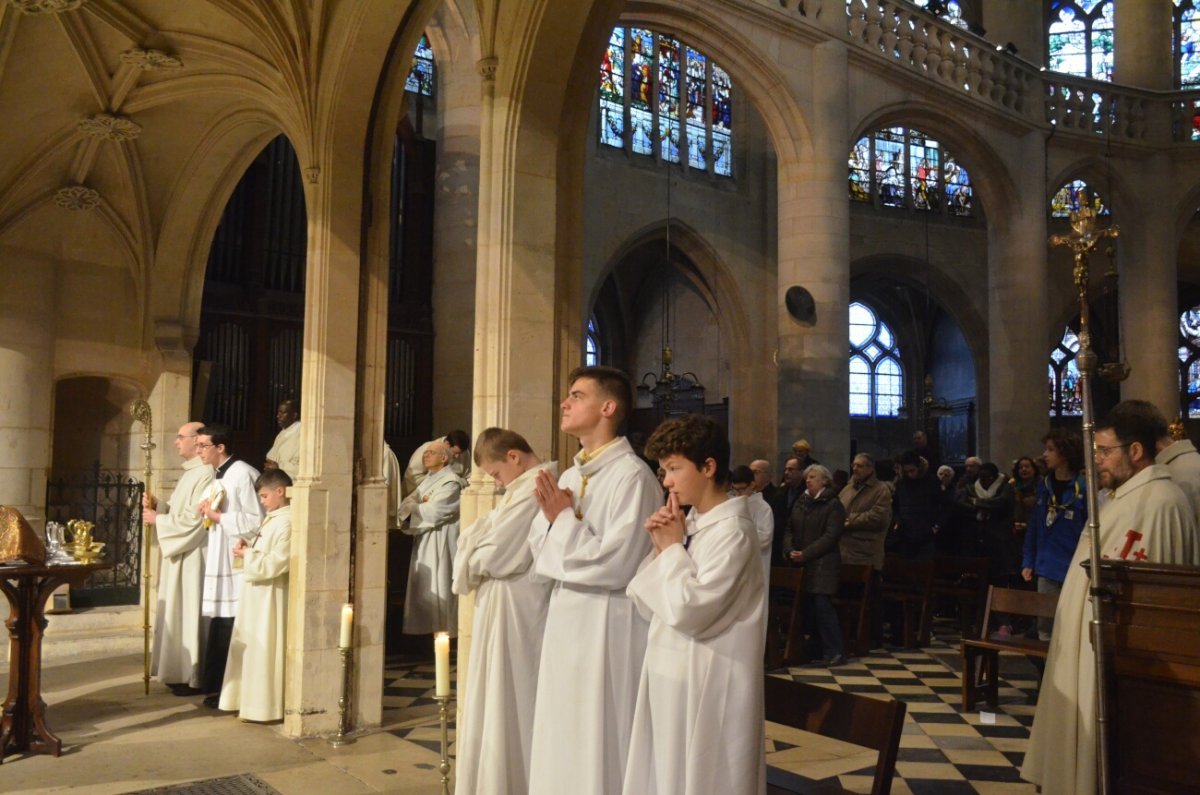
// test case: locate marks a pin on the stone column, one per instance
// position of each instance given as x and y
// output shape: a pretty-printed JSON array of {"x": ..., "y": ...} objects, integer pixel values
[
  {"x": 1142, "y": 45},
  {"x": 26, "y": 380},
  {"x": 1146, "y": 256},
  {"x": 814, "y": 253},
  {"x": 1017, "y": 318}
]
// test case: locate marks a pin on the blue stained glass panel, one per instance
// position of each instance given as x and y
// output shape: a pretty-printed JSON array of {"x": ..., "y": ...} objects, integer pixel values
[
  {"x": 420, "y": 76},
  {"x": 641, "y": 124},
  {"x": 860, "y": 387},
  {"x": 668, "y": 98},
  {"x": 959, "y": 194},
  {"x": 889, "y": 166},
  {"x": 1068, "y": 43},
  {"x": 1187, "y": 42},
  {"x": 641, "y": 78},
  {"x": 697, "y": 133},
  {"x": 887, "y": 388},
  {"x": 1068, "y": 197},
  {"x": 860, "y": 171},
  {"x": 924, "y": 159},
  {"x": 1102, "y": 44},
  {"x": 722, "y": 153},
  {"x": 612, "y": 91}
]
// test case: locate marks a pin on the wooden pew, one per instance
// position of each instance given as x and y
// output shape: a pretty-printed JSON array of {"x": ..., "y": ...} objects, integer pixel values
[
  {"x": 853, "y": 603},
  {"x": 910, "y": 583},
  {"x": 785, "y": 636},
  {"x": 862, "y": 720},
  {"x": 981, "y": 656},
  {"x": 965, "y": 582}
]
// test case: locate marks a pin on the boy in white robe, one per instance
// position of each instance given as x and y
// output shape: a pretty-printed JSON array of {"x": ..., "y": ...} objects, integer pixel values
[
  {"x": 589, "y": 539},
  {"x": 1147, "y": 518},
  {"x": 175, "y": 657},
  {"x": 432, "y": 516},
  {"x": 698, "y": 728},
  {"x": 253, "y": 685},
  {"x": 493, "y": 559}
]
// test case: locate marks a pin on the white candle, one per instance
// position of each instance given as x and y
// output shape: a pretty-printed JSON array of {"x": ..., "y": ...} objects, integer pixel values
[
  {"x": 441, "y": 655},
  {"x": 347, "y": 633}
]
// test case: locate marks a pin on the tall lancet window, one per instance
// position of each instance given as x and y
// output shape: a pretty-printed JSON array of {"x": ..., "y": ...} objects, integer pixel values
[
  {"x": 876, "y": 377},
  {"x": 1066, "y": 391},
  {"x": 591, "y": 345},
  {"x": 420, "y": 76},
  {"x": 1187, "y": 44},
  {"x": 1080, "y": 37},
  {"x": 1189, "y": 361}
]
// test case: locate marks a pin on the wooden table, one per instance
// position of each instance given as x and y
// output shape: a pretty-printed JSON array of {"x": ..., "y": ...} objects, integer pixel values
[{"x": 27, "y": 587}]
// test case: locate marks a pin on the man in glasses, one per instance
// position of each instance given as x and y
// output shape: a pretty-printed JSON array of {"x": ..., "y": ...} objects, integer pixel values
[{"x": 1147, "y": 518}]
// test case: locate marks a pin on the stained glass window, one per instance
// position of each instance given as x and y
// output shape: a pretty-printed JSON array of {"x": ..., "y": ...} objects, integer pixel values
[
  {"x": 420, "y": 76},
  {"x": 949, "y": 10},
  {"x": 876, "y": 378},
  {"x": 1080, "y": 37},
  {"x": 1189, "y": 361},
  {"x": 661, "y": 98},
  {"x": 1066, "y": 391},
  {"x": 1071, "y": 194},
  {"x": 591, "y": 345},
  {"x": 1187, "y": 44},
  {"x": 906, "y": 168}
]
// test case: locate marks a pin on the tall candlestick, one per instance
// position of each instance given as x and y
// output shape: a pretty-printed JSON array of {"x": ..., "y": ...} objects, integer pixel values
[
  {"x": 347, "y": 633},
  {"x": 441, "y": 656}
]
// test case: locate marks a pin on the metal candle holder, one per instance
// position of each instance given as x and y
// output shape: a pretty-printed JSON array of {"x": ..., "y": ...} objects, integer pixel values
[
  {"x": 444, "y": 767},
  {"x": 342, "y": 738}
]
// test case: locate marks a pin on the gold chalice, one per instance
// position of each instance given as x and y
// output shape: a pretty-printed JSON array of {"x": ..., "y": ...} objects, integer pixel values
[{"x": 91, "y": 553}]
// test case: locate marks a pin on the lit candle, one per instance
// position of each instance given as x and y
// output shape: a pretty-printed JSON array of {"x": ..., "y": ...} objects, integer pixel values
[
  {"x": 441, "y": 655},
  {"x": 345, "y": 638}
]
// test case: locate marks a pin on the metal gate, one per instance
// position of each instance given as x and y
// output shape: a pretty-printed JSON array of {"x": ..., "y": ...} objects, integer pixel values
[{"x": 113, "y": 503}]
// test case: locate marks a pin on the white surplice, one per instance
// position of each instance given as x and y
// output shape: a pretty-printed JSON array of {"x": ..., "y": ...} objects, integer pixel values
[
  {"x": 1147, "y": 519},
  {"x": 496, "y": 725},
  {"x": 286, "y": 450},
  {"x": 414, "y": 473},
  {"x": 698, "y": 729},
  {"x": 253, "y": 684},
  {"x": 176, "y": 655},
  {"x": 764, "y": 527},
  {"x": 234, "y": 496},
  {"x": 595, "y": 639},
  {"x": 1183, "y": 462},
  {"x": 432, "y": 512}
]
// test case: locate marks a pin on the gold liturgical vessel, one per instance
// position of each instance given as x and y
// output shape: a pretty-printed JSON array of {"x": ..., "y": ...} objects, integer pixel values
[{"x": 82, "y": 546}]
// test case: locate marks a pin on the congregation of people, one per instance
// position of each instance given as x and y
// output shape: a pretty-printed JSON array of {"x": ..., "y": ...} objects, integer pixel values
[{"x": 621, "y": 620}]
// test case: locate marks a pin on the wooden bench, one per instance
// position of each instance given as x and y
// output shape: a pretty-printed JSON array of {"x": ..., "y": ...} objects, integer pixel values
[
  {"x": 981, "y": 657},
  {"x": 963, "y": 581},
  {"x": 853, "y": 603},
  {"x": 784, "y": 629},
  {"x": 910, "y": 583},
  {"x": 862, "y": 720}
]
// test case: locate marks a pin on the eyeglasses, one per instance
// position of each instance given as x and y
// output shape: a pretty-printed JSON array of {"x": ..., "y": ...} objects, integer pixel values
[
  {"x": 203, "y": 446},
  {"x": 1104, "y": 452}
]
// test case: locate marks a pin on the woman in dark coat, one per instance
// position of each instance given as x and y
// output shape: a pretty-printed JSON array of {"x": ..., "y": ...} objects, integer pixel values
[{"x": 811, "y": 540}]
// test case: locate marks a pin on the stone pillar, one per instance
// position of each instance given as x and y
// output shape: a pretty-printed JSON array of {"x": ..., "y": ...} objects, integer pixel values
[
  {"x": 1146, "y": 255},
  {"x": 1017, "y": 318},
  {"x": 26, "y": 380},
  {"x": 1142, "y": 41},
  {"x": 814, "y": 253}
]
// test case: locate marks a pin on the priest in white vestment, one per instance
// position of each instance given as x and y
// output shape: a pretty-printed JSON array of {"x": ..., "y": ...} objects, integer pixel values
[
  {"x": 1183, "y": 462},
  {"x": 1147, "y": 518},
  {"x": 253, "y": 684},
  {"x": 176, "y": 654},
  {"x": 588, "y": 540},
  {"x": 698, "y": 728},
  {"x": 285, "y": 452},
  {"x": 493, "y": 560},
  {"x": 742, "y": 485},
  {"x": 231, "y": 508},
  {"x": 460, "y": 460},
  {"x": 432, "y": 516}
]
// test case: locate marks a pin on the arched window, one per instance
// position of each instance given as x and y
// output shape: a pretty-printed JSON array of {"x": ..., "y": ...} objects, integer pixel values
[
  {"x": 670, "y": 94},
  {"x": 1189, "y": 361},
  {"x": 420, "y": 76},
  {"x": 1066, "y": 391},
  {"x": 1187, "y": 44},
  {"x": 1070, "y": 195},
  {"x": 876, "y": 377},
  {"x": 591, "y": 345},
  {"x": 1080, "y": 38},
  {"x": 949, "y": 10},
  {"x": 907, "y": 168}
]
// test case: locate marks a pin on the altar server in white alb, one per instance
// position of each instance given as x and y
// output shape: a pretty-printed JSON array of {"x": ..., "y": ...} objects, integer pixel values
[
  {"x": 460, "y": 460},
  {"x": 698, "y": 729},
  {"x": 1147, "y": 518},
  {"x": 253, "y": 685},
  {"x": 175, "y": 659},
  {"x": 285, "y": 453},
  {"x": 588, "y": 540},
  {"x": 432, "y": 516},
  {"x": 493, "y": 559},
  {"x": 230, "y": 507}
]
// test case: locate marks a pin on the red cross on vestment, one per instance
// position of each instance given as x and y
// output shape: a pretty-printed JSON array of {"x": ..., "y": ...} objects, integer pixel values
[{"x": 1131, "y": 538}]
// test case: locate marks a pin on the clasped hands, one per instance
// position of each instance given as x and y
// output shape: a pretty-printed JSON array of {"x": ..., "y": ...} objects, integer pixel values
[
  {"x": 240, "y": 547},
  {"x": 205, "y": 508},
  {"x": 550, "y": 498},
  {"x": 666, "y": 525}
]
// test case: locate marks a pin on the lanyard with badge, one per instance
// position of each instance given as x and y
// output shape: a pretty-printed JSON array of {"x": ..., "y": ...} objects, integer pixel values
[{"x": 1052, "y": 509}]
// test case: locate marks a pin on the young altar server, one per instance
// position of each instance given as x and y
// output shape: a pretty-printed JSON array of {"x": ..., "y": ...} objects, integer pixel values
[
  {"x": 588, "y": 539},
  {"x": 253, "y": 683},
  {"x": 698, "y": 728},
  {"x": 510, "y": 613},
  {"x": 432, "y": 513},
  {"x": 231, "y": 510}
]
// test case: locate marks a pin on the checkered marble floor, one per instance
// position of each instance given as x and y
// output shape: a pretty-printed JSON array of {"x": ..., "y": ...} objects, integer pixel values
[{"x": 942, "y": 749}]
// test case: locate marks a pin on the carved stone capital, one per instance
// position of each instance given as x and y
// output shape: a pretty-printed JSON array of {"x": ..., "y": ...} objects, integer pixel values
[
  {"x": 77, "y": 197},
  {"x": 110, "y": 127},
  {"x": 45, "y": 6},
  {"x": 148, "y": 59},
  {"x": 487, "y": 68},
  {"x": 312, "y": 174}
]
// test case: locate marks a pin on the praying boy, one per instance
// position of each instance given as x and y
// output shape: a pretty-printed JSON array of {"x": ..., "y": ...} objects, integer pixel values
[
  {"x": 253, "y": 683},
  {"x": 698, "y": 728},
  {"x": 588, "y": 540},
  {"x": 510, "y": 613}
]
